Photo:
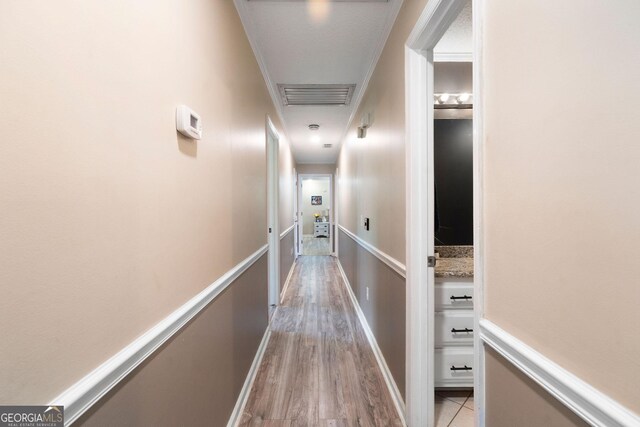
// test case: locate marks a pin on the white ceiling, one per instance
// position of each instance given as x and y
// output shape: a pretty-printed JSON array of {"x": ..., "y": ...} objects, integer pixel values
[
  {"x": 329, "y": 42},
  {"x": 317, "y": 42},
  {"x": 457, "y": 42}
]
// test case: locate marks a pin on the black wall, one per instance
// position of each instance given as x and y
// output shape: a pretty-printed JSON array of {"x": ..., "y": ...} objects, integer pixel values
[{"x": 453, "y": 145}]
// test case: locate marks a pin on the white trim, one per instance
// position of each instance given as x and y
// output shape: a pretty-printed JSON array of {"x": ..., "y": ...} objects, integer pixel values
[
  {"x": 386, "y": 32},
  {"x": 82, "y": 395},
  {"x": 434, "y": 21},
  {"x": 287, "y": 282},
  {"x": 287, "y": 231},
  {"x": 236, "y": 415},
  {"x": 588, "y": 403},
  {"x": 336, "y": 211},
  {"x": 382, "y": 363},
  {"x": 452, "y": 57},
  {"x": 478, "y": 216},
  {"x": 296, "y": 228},
  {"x": 393, "y": 263},
  {"x": 272, "y": 142}
]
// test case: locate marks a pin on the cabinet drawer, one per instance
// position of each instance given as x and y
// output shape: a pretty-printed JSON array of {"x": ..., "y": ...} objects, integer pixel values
[
  {"x": 453, "y": 295},
  {"x": 454, "y": 367},
  {"x": 454, "y": 327}
]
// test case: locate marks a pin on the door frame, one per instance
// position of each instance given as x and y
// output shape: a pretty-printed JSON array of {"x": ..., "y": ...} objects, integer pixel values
[
  {"x": 272, "y": 138},
  {"x": 434, "y": 21},
  {"x": 336, "y": 213},
  {"x": 296, "y": 232},
  {"x": 302, "y": 177}
]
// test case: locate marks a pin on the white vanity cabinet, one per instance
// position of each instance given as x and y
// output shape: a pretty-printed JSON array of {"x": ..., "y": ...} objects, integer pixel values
[{"x": 454, "y": 321}]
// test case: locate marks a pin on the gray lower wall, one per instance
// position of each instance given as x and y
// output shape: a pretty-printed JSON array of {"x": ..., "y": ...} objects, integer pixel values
[
  {"x": 287, "y": 256},
  {"x": 385, "y": 310},
  {"x": 196, "y": 377},
  {"x": 513, "y": 399}
]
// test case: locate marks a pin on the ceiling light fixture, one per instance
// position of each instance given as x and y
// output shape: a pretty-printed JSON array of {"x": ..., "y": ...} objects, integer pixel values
[{"x": 314, "y": 126}]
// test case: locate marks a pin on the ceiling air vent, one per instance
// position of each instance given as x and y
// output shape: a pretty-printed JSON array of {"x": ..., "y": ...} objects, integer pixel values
[
  {"x": 316, "y": 94},
  {"x": 328, "y": 145}
]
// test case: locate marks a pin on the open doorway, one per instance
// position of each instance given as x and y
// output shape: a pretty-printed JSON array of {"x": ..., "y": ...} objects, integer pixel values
[
  {"x": 442, "y": 178},
  {"x": 315, "y": 219}
]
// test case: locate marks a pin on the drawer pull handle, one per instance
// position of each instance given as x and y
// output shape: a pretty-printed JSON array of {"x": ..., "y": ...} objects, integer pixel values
[
  {"x": 463, "y": 368},
  {"x": 455, "y": 331},
  {"x": 464, "y": 297}
]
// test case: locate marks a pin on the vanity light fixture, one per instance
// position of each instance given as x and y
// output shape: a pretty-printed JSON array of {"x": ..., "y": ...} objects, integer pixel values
[
  {"x": 444, "y": 97},
  {"x": 450, "y": 100},
  {"x": 463, "y": 98}
]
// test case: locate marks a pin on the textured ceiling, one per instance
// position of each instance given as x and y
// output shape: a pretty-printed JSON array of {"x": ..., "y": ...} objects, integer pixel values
[
  {"x": 317, "y": 42},
  {"x": 459, "y": 37}
]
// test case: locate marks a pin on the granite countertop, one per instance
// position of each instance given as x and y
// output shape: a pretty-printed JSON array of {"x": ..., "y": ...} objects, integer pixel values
[{"x": 454, "y": 261}]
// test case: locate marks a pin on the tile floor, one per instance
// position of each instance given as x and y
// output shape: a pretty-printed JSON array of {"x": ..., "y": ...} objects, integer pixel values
[{"x": 454, "y": 408}]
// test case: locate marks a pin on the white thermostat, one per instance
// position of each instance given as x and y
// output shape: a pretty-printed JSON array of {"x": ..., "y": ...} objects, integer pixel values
[{"x": 188, "y": 122}]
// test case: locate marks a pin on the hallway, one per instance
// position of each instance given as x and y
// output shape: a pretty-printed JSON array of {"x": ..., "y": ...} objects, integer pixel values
[{"x": 318, "y": 368}]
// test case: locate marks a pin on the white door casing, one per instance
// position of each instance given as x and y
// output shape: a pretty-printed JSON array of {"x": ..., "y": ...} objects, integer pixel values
[
  {"x": 419, "y": 88},
  {"x": 273, "y": 229}
]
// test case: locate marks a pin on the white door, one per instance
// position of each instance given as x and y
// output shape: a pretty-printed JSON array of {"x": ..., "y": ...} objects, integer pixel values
[{"x": 273, "y": 231}]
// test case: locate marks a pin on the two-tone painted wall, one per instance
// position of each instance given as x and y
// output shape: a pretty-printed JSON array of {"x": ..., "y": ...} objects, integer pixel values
[{"x": 110, "y": 220}]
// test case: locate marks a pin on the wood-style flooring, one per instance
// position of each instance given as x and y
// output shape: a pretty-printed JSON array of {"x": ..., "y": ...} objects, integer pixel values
[
  {"x": 318, "y": 368},
  {"x": 316, "y": 245}
]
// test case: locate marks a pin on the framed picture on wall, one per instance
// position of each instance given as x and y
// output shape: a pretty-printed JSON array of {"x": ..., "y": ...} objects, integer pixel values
[{"x": 316, "y": 200}]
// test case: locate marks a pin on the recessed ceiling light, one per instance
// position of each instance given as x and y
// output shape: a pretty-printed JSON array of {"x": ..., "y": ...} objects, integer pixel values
[{"x": 314, "y": 126}]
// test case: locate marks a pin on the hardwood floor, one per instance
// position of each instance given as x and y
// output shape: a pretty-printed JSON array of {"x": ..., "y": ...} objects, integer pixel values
[
  {"x": 316, "y": 245},
  {"x": 318, "y": 368}
]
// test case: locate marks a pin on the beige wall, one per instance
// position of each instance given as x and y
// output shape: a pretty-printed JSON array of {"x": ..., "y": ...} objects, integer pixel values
[
  {"x": 195, "y": 378},
  {"x": 287, "y": 257},
  {"x": 314, "y": 187},
  {"x": 372, "y": 170},
  {"x": 287, "y": 188},
  {"x": 371, "y": 182},
  {"x": 562, "y": 193},
  {"x": 315, "y": 168},
  {"x": 110, "y": 220},
  {"x": 513, "y": 399},
  {"x": 385, "y": 308}
]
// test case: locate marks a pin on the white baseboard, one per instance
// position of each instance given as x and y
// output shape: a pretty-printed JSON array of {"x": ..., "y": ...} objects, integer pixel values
[
  {"x": 236, "y": 415},
  {"x": 89, "y": 390},
  {"x": 386, "y": 373},
  {"x": 395, "y": 265},
  {"x": 590, "y": 404},
  {"x": 286, "y": 282}
]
